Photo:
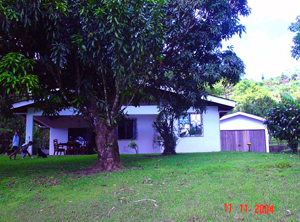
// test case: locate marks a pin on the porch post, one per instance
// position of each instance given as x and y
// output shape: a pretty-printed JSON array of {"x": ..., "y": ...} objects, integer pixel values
[{"x": 29, "y": 127}]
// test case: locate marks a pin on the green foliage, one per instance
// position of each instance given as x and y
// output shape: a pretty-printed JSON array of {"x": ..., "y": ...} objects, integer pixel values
[
  {"x": 133, "y": 145},
  {"x": 164, "y": 125},
  {"x": 295, "y": 27},
  {"x": 282, "y": 121},
  {"x": 8, "y": 126},
  {"x": 252, "y": 97},
  {"x": 17, "y": 123},
  {"x": 190, "y": 60},
  {"x": 287, "y": 98},
  {"x": 101, "y": 56},
  {"x": 93, "y": 55},
  {"x": 294, "y": 76},
  {"x": 40, "y": 137},
  {"x": 256, "y": 97},
  {"x": 195, "y": 130},
  {"x": 14, "y": 77},
  {"x": 16, "y": 82}
]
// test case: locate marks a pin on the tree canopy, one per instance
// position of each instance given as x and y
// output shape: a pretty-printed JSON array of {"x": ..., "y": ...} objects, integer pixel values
[
  {"x": 101, "y": 56},
  {"x": 255, "y": 97},
  {"x": 252, "y": 97},
  {"x": 295, "y": 27}
]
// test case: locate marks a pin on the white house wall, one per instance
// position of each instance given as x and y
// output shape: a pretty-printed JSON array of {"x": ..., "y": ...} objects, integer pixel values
[
  {"x": 142, "y": 110},
  {"x": 61, "y": 134},
  {"x": 145, "y": 134},
  {"x": 59, "y": 131},
  {"x": 29, "y": 128},
  {"x": 210, "y": 141}
]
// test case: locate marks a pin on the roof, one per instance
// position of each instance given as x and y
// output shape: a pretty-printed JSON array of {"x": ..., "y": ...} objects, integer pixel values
[
  {"x": 222, "y": 103},
  {"x": 242, "y": 114}
]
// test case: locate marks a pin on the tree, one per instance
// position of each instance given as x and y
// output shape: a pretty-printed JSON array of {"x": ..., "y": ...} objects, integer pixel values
[
  {"x": 252, "y": 98},
  {"x": 193, "y": 93},
  {"x": 93, "y": 55},
  {"x": 295, "y": 27},
  {"x": 40, "y": 137},
  {"x": 101, "y": 56},
  {"x": 15, "y": 81},
  {"x": 192, "y": 61},
  {"x": 256, "y": 105},
  {"x": 7, "y": 128},
  {"x": 171, "y": 106},
  {"x": 294, "y": 76},
  {"x": 283, "y": 119}
]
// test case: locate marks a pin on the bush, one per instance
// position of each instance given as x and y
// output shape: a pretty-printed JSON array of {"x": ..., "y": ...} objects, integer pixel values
[{"x": 283, "y": 122}]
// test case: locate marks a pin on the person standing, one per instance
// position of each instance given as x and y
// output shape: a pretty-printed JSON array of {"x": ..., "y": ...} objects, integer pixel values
[{"x": 15, "y": 145}]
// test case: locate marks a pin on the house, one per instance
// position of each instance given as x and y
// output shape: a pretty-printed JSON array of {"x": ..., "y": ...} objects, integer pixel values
[
  {"x": 238, "y": 129},
  {"x": 138, "y": 125}
]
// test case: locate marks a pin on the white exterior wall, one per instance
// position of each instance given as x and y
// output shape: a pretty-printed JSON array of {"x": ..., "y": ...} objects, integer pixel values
[
  {"x": 210, "y": 141},
  {"x": 29, "y": 128},
  {"x": 145, "y": 134},
  {"x": 61, "y": 134},
  {"x": 57, "y": 126},
  {"x": 145, "y": 115},
  {"x": 142, "y": 110}
]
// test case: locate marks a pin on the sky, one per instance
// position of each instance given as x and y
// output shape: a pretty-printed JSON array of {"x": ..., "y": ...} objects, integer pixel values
[{"x": 266, "y": 45}]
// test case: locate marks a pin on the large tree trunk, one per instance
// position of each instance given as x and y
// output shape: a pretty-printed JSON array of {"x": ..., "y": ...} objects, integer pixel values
[
  {"x": 107, "y": 147},
  {"x": 169, "y": 139}
]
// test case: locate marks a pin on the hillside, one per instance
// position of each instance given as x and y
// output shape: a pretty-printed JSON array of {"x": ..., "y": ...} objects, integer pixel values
[{"x": 256, "y": 96}]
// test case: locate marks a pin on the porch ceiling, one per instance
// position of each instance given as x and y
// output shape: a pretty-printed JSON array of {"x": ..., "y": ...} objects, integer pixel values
[{"x": 62, "y": 121}]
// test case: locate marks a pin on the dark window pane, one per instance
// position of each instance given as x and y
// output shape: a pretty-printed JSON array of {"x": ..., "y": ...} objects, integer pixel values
[
  {"x": 127, "y": 129},
  {"x": 121, "y": 130}
]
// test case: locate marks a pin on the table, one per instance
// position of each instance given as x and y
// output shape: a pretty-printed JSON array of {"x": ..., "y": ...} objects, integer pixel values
[{"x": 71, "y": 147}]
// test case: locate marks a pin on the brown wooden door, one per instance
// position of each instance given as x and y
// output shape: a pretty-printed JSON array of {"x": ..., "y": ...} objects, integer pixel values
[{"x": 236, "y": 140}]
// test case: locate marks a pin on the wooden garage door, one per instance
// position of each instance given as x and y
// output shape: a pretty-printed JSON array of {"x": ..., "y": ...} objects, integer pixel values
[{"x": 236, "y": 140}]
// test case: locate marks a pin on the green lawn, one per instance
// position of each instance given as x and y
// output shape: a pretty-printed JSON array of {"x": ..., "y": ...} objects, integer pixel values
[{"x": 186, "y": 187}]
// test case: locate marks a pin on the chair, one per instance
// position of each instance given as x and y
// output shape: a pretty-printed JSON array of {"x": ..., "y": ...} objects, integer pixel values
[
  {"x": 71, "y": 148},
  {"x": 58, "y": 148},
  {"x": 83, "y": 149}
]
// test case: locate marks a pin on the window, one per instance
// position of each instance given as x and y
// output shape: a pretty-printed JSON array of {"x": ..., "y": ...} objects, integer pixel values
[
  {"x": 191, "y": 125},
  {"x": 127, "y": 129}
]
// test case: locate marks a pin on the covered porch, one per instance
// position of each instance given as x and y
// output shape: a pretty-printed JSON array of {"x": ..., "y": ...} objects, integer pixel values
[
  {"x": 69, "y": 127},
  {"x": 65, "y": 128}
]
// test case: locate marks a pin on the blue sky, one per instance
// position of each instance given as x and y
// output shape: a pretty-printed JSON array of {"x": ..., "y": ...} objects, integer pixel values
[{"x": 265, "y": 48}]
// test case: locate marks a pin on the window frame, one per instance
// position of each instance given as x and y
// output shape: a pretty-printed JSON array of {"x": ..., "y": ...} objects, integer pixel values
[
  {"x": 134, "y": 130},
  {"x": 190, "y": 124}
]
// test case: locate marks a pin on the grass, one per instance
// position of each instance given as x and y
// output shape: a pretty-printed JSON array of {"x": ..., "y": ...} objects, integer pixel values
[{"x": 186, "y": 187}]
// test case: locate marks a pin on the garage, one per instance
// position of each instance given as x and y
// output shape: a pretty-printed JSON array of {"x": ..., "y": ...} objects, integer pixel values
[{"x": 239, "y": 129}]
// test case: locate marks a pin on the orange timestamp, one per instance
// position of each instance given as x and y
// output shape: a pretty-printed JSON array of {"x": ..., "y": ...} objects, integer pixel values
[{"x": 259, "y": 209}]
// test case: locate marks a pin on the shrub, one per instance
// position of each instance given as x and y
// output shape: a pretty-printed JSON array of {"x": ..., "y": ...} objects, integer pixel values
[{"x": 283, "y": 122}]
